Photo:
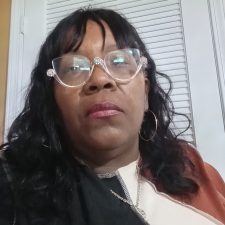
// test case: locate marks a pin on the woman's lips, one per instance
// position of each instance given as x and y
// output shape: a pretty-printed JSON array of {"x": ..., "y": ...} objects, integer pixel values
[{"x": 102, "y": 110}]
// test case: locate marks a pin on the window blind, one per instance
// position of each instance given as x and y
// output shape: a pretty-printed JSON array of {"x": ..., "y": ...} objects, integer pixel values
[{"x": 159, "y": 23}]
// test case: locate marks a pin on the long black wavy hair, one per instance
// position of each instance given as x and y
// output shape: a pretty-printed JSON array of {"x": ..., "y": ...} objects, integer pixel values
[{"x": 36, "y": 151}]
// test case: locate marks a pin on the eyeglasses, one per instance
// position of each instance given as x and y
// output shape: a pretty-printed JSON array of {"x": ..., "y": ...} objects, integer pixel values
[{"x": 73, "y": 70}]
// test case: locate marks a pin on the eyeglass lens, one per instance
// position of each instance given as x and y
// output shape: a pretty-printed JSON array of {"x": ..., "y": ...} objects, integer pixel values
[{"x": 75, "y": 69}]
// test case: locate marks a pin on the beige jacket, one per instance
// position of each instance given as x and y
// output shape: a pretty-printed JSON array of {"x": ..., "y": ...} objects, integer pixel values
[{"x": 206, "y": 207}]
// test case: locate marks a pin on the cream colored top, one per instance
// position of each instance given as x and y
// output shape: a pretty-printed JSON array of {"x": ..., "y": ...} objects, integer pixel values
[{"x": 161, "y": 209}]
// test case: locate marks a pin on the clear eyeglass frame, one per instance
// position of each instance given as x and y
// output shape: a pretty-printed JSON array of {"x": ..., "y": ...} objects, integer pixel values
[{"x": 142, "y": 63}]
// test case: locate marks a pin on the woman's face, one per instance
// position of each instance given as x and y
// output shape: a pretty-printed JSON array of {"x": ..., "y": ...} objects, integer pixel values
[{"x": 102, "y": 118}]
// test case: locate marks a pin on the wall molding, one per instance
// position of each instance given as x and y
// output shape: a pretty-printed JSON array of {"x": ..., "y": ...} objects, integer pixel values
[
  {"x": 26, "y": 36},
  {"x": 217, "y": 22},
  {"x": 15, "y": 62}
]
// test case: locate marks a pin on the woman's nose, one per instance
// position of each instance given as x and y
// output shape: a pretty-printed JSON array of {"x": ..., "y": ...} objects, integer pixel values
[{"x": 99, "y": 80}]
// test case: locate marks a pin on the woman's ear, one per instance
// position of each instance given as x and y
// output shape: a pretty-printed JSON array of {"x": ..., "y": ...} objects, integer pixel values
[{"x": 147, "y": 89}]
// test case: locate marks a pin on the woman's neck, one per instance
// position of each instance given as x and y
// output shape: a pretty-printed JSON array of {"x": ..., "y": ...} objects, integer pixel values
[
  {"x": 110, "y": 162},
  {"x": 113, "y": 166}
]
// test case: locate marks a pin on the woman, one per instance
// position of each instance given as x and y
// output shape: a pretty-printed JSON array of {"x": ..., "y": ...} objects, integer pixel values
[{"x": 93, "y": 144}]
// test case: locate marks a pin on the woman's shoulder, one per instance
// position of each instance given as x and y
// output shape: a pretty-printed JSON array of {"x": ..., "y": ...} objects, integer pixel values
[
  {"x": 216, "y": 178},
  {"x": 6, "y": 196},
  {"x": 3, "y": 173},
  {"x": 5, "y": 186},
  {"x": 204, "y": 171},
  {"x": 210, "y": 197}
]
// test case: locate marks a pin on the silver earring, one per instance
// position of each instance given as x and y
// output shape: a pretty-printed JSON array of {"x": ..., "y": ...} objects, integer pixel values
[{"x": 156, "y": 126}]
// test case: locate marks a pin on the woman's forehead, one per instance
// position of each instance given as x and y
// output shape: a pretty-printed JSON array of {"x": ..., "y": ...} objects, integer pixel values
[
  {"x": 93, "y": 36},
  {"x": 95, "y": 39}
]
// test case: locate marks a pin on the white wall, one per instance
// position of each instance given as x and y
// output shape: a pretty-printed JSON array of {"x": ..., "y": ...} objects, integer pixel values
[{"x": 204, "y": 82}]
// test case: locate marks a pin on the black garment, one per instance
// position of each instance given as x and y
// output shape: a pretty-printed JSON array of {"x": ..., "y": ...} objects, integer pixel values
[
  {"x": 92, "y": 203},
  {"x": 6, "y": 200}
]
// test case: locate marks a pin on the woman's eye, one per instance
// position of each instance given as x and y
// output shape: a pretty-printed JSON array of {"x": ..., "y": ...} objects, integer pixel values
[
  {"x": 119, "y": 61},
  {"x": 73, "y": 69}
]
